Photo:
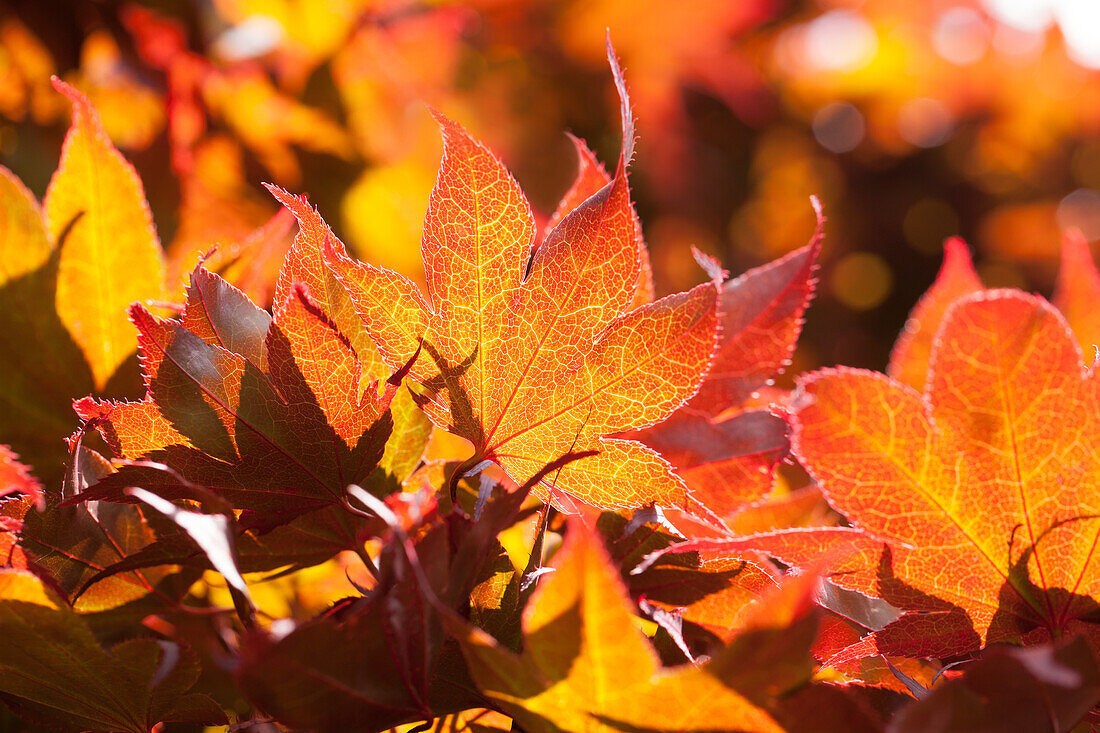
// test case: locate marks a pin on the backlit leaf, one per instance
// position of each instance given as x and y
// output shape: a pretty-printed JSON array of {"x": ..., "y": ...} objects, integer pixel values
[
  {"x": 585, "y": 668},
  {"x": 760, "y": 316},
  {"x": 54, "y": 672},
  {"x": 984, "y": 488},
  {"x": 729, "y": 464},
  {"x": 305, "y": 263},
  {"x": 110, "y": 255},
  {"x": 73, "y": 544},
  {"x": 529, "y": 357},
  {"x": 956, "y": 278},
  {"x": 16, "y": 481},
  {"x": 21, "y": 224},
  {"x": 725, "y": 451},
  {"x": 40, "y": 366},
  {"x": 591, "y": 177},
  {"x": 268, "y": 412},
  {"x": 1044, "y": 688},
  {"x": 381, "y": 660},
  {"x": 19, "y": 491}
]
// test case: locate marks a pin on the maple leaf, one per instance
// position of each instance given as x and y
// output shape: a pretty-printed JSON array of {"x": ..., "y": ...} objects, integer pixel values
[
  {"x": 1075, "y": 295},
  {"x": 725, "y": 449},
  {"x": 984, "y": 488},
  {"x": 956, "y": 278},
  {"x": 268, "y": 412},
  {"x": 71, "y": 545},
  {"x": 16, "y": 482},
  {"x": 215, "y": 535},
  {"x": 53, "y": 671},
  {"x": 531, "y": 356},
  {"x": 717, "y": 595},
  {"x": 111, "y": 255},
  {"x": 381, "y": 659},
  {"x": 761, "y": 316},
  {"x": 68, "y": 275},
  {"x": 585, "y": 668},
  {"x": 590, "y": 179},
  {"x": 251, "y": 261},
  {"x": 305, "y": 263}
]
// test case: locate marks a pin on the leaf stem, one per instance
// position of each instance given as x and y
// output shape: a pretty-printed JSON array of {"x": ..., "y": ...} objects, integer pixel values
[{"x": 361, "y": 551}]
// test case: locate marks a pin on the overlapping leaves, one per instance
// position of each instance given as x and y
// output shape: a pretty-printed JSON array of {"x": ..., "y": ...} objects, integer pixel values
[
  {"x": 984, "y": 488},
  {"x": 723, "y": 442},
  {"x": 584, "y": 668},
  {"x": 54, "y": 672},
  {"x": 267, "y": 412},
  {"x": 68, "y": 274},
  {"x": 531, "y": 356}
]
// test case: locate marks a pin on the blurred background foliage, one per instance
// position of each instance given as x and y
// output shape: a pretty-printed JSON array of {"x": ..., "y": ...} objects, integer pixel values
[{"x": 911, "y": 121}]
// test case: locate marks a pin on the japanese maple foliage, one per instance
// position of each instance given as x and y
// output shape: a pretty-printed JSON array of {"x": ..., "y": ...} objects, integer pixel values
[
  {"x": 983, "y": 488},
  {"x": 55, "y": 673},
  {"x": 724, "y": 442},
  {"x": 19, "y": 490},
  {"x": 267, "y": 412},
  {"x": 529, "y": 355},
  {"x": 256, "y": 536},
  {"x": 64, "y": 292}
]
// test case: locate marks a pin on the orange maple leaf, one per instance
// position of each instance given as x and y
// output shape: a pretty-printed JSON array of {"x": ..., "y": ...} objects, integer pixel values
[
  {"x": 532, "y": 356},
  {"x": 986, "y": 488},
  {"x": 956, "y": 278},
  {"x": 722, "y": 444},
  {"x": 1075, "y": 295},
  {"x": 18, "y": 491}
]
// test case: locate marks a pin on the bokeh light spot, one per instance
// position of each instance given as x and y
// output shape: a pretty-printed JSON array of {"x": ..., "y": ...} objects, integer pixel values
[
  {"x": 1079, "y": 21},
  {"x": 252, "y": 37},
  {"x": 960, "y": 36},
  {"x": 840, "y": 40},
  {"x": 861, "y": 280},
  {"x": 1026, "y": 15},
  {"x": 924, "y": 122},
  {"x": 1080, "y": 209},
  {"x": 1018, "y": 46},
  {"x": 839, "y": 127}
]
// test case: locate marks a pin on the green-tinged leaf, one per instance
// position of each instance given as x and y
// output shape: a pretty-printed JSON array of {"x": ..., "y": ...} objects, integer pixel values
[
  {"x": 54, "y": 672},
  {"x": 41, "y": 368}
]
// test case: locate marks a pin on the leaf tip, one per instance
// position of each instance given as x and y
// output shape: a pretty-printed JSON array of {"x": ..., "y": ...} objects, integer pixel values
[
  {"x": 710, "y": 265},
  {"x": 819, "y": 222},
  {"x": 956, "y": 254},
  {"x": 82, "y": 106},
  {"x": 626, "y": 111},
  {"x": 63, "y": 87}
]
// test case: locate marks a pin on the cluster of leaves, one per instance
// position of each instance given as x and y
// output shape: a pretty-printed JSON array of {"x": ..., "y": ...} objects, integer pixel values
[{"x": 636, "y": 531}]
